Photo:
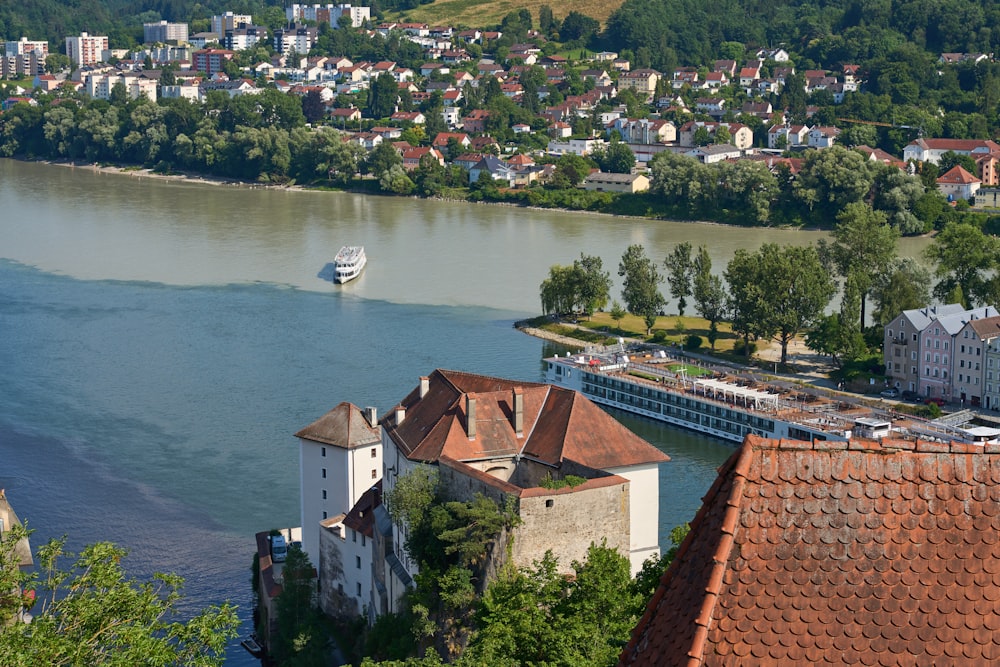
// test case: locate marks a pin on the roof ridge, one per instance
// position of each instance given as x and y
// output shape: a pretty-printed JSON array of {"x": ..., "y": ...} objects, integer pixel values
[{"x": 720, "y": 559}]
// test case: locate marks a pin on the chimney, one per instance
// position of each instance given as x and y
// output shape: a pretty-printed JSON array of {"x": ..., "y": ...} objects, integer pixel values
[
  {"x": 371, "y": 414},
  {"x": 519, "y": 412},
  {"x": 400, "y": 414},
  {"x": 470, "y": 415},
  {"x": 425, "y": 385}
]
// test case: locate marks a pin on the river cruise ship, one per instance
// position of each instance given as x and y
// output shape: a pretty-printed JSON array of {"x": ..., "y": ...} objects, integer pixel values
[
  {"x": 727, "y": 405},
  {"x": 349, "y": 262}
]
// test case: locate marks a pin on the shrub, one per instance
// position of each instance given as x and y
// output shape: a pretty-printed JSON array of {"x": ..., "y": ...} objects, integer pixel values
[
  {"x": 692, "y": 342},
  {"x": 659, "y": 336},
  {"x": 738, "y": 347}
]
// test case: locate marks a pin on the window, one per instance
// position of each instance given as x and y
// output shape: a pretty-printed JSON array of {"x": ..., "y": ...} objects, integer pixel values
[
  {"x": 324, "y": 494},
  {"x": 324, "y": 515},
  {"x": 359, "y": 589},
  {"x": 354, "y": 535},
  {"x": 946, "y": 345},
  {"x": 323, "y": 451},
  {"x": 362, "y": 539},
  {"x": 937, "y": 332},
  {"x": 374, "y": 475},
  {"x": 913, "y": 355},
  {"x": 374, "y": 452},
  {"x": 937, "y": 358},
  {"x": 913, "y": 371},
  {"x": 927, "y": 371},
  {"x": 935, "y": 372},
  {"x": 357, "y": 560},
  {"x": 914, "y": 338},
  {"x": 890, "y": 333},
  {"x": 324, "y": 473},
  {"x": 977, "y": 365},
  {"x": 963, "y": 348},
  {"x": 961, "y": 363},
  {"x": 927, "y": 356},
  {"x": 937, "y": 345}
]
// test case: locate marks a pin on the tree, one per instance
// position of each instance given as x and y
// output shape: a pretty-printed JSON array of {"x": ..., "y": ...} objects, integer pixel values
[
  {"x": 950, "y": 159},
  {"x": 300, "y": 638},
  {"x": 709, "y": 294},
  {"x": 396, "y": 180},
  {"x": 965, "y": 258},
  {"x": 617, "y": 158},
  {"x": 383, "y": 96},
  {"x": 679, "y": 265},
  {"x": 641, "y": 287},
  {"x": 832, "y": 178},
  {"x": 382, "y": 158},
  {"x": 93, "y": 614},
  {"x": 778, "y": 291},
  {"x": 905, "y": 286},
  {"x": 617, "y": 314},
  {"x": 583, "y": 286},
  {"x": 313, "y": 107},
  {"x": 862, "y": 250}
]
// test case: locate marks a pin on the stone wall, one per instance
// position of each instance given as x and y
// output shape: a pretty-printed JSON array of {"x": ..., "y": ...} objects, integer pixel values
[{"x": 332, "y": 597}]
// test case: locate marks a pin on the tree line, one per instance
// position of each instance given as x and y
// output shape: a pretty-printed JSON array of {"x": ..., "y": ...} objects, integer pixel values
[{"x": 779, "y": 292}]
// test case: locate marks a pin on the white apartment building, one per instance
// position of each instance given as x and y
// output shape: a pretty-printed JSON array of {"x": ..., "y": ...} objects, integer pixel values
[
  {"x": 99, "y": 86},
  {"x": 164, "y": 32},
  {"x": 86, "y": 49},
  {"x": 328, "y": 14},
  {"x": 229, "y": 21},
  {"x": 24, "y": 58}
]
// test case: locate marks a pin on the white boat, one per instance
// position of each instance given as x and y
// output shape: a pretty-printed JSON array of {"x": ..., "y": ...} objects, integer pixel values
[{"x": 349, "y": 262}]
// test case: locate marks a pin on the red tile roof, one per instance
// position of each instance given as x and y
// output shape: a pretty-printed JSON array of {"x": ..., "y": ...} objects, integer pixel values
[
  {"x": 345, "y": 426},
  {"x": 558, "y": 424},
  {"x": 959, "y": 176},
  {"x": 836, "y": 553}
]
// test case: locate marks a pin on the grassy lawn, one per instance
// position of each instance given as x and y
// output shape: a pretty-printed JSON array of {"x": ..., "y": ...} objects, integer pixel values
[
  {"x": 482, "y": 13},
  {"x": 635, "y": 327}
]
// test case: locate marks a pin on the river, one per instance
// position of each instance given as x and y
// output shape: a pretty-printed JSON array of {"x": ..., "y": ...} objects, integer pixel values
[{"x": 162, "y": 341}]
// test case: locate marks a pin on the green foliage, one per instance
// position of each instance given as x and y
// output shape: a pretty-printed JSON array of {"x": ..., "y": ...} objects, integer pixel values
[
  {"x": 640, "y": 289},
  {"x": 583, "y": 287},
  {"x": 679, "y": 267},
  {"x": 93, "y": 614},
  {"x": 567, "y": 481},
  {"x": 301, "y": 637},
  {"x": 966, "y": 258},
  {"x": 692, "y": 342}
]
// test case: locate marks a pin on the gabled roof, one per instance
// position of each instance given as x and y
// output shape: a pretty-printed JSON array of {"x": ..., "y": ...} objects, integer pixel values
[
  {"x": 558, "y": 424},
  {"x": 920, "y": 317},
  {"x": 986, "y": 328},
  {"x": 952, "y": 324},
  {"x": 362, "y": 516},
  {"x": 835, "y": 553},
  {"x": 345, "y": 426}
]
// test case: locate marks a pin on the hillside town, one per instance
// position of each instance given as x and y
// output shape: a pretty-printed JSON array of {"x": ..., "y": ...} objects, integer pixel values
[
  {"x": 846, "y": 527},
  {"x": 722, "y": 111}
]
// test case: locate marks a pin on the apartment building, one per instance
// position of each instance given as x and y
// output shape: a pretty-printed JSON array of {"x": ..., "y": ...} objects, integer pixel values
[{"x": 86, "y": 49}]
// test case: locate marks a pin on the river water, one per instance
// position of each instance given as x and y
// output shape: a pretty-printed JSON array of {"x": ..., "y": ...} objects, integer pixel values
[{"x": 161, "y": 341}]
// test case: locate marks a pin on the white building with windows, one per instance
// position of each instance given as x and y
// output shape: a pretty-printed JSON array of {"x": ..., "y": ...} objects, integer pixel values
[{"x": 86, "y": 49}]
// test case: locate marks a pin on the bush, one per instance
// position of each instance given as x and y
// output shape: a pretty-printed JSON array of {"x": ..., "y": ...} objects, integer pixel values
[
  {"x": 692, "y": 342},
  {"x": 659, "y": 336},
  {"x": 738, "y": 347}
]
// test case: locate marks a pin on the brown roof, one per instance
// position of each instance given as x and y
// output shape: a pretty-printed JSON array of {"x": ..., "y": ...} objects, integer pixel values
[
  {"x": 361, "y": 518},
  {"x": 558, "y": 424},
  {"x": 836, "y": 553},
  {"x": 986, "y": 328},
  {"x": 958, "y": 175},
  {"x": 345, "y": 426}
]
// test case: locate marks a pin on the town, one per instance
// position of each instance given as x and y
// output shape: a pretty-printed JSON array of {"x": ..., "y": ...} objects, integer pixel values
[{"x": 483, "y": 520}]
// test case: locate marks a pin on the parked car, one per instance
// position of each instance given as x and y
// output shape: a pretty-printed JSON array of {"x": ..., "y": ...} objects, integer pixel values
[
  {"x": 936, "y": 401},
  {"x": 890, "y": 393},
  {"x": 910, "y": 396}
]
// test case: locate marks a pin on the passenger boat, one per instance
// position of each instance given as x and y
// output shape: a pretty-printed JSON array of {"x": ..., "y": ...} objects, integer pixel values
[
  {"x": 730, "y": 406},
  {"x": 349, "y": 262}
]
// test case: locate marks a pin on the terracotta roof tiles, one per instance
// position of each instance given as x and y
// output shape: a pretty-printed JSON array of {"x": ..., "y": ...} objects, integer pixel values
[{"x": 871, "y": 554}]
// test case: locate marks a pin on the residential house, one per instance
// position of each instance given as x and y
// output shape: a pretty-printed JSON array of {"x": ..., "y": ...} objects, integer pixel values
[
  {"x": 972, "y": 368},
  {"x": 643, "y": 130},
  {"x": 748, "y": 77},
  {"x": 188, "y": 89},
  {"x": 833, "y": 553},
  {"x": 467, "y": 160},
  {"x": 493, "y": 168},
  {"x": 475, "y": 121},
  {"x": 599, "y": 76},
  {"x": 485, "y": 144},
  {"x": 879, "y": 155},
  {"x": 957, "y": 183},
  {"x": 716, "y": 80},
  {"x": 412, "y": 156},
  {"x": 415, "y": 117},
  {"x": 727, "y": 67},
  {"x": 713, "y": 106},
  {"x": 777, "y": 55},
  {"x": 823, "y": 137},
  {"x": 99, "y": 86},
  {"x": 232, "y": 88},
  {"x": 714, "y": 153},
  {"x": 991, "y": 393},
  {"x": 988, "y": 169},
  {"x": 346, "y": 115},
  {"x": 581, "y": 147},
  {"x": 244, "y": 37},
  {"x": 787, "y": 136},
  {"x": 443, "y": 138},
  {"x": 931, "y": 150},
  {"x": 919, "y": 348},
  {"x": 600, "y": 181},
  {"x": 741, "y": 136},
  {"x": 641, "y": 81},
  {"x": 560, "y": 130}
]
